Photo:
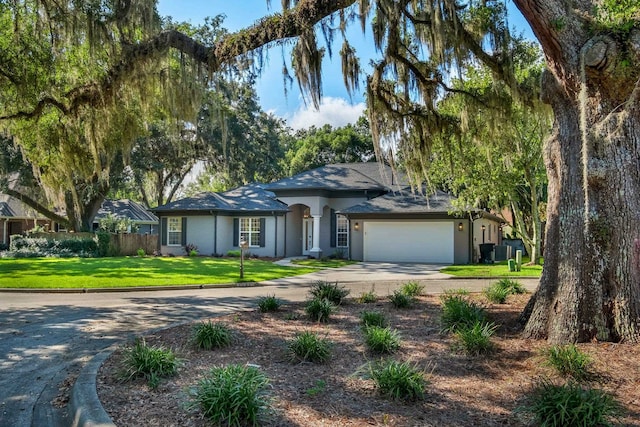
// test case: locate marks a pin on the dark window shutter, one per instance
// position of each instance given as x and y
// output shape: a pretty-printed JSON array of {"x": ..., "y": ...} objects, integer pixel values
[
  {"x": 184, "y": 231},
  {"x": 333, "y": 228},
  {"x": 164, "y": 230},
  {"x": 236, "y": 232},
  {"x": 262, "y": 232}
]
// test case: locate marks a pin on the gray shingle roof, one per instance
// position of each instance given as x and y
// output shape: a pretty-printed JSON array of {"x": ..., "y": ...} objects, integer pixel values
[
  {"x": 125, "y": 208},
  {"x": 5, "y": 210},
  {"x": 404, "y": 203},
  {"x": 11, "y": 207},
  {"x": 248, "y": 198},
  {"x": 341, "y": 176}
]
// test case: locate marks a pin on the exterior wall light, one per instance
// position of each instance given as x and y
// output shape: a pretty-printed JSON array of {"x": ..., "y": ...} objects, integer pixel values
[
  {"x": 460, "y": 226},
  {"x": 356, "y": 226}
]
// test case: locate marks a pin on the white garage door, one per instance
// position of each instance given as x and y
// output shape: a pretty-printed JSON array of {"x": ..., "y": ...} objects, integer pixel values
[{"x": 393, "y": 241}]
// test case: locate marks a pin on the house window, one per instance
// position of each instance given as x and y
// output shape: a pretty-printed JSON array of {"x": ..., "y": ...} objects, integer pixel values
[
  {"x": 174, "y": 231},
  {"x": 250, "y": 231},
  {"x": 342, "y": 231}
]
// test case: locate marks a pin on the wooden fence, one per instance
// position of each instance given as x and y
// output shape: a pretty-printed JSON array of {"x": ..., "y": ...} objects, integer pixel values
[{"x": 120, "y": 244}]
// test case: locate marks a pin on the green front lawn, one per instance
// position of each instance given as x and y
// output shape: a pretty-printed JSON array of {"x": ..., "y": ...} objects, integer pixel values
[
  {"x": 124, "y": 272},
  {"x": 499, "y": 269}
]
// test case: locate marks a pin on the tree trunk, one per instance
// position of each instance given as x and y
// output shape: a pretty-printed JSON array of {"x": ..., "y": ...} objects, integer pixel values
[{"x": 590, "y": 286}]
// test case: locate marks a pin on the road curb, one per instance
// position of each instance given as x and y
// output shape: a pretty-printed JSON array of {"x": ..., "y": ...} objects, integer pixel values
[{"x": 84, "y": 406}]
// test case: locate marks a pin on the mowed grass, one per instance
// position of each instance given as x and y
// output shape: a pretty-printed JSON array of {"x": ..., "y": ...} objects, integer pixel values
[
  {"x": 124, "y": 272},
  {"x": 499, "y": 269}
]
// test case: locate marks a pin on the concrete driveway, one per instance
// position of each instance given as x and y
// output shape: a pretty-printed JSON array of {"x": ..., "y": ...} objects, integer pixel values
[{"x": 46, "y": 338}]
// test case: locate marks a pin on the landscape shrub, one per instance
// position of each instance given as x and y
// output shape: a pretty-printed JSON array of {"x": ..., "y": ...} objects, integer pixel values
[
  {"x": 208, "y": 335},
  {"x": 31, "y": 247},
  {"x": 328, "y": 291},
  {"x": 309, "y": 347},
  {"x": 368, "y": 297},
  {"x": 269, "y": 303},
  {"x": 103, "y": 240},
  {"x": 381, "y": 340},
  {"x": 149, "y": 362},
  {"x": 499, "y": 291},
  {"x": 570, "y": 405},
  {"x": 140, "y": 252},
  {"x": 513, "y": 286},
  {"x": 412, "y": 289},
  {"x": 458, "y": 312},
  {"x": 569, "y": 361},
  {"x": 398, "y": 380},
  {"x": 496, "y": 294},
  {"x": 373, "y": 318},
  {"x": 475, "y": 339},
  {"x": 234, "y": 253},
  {"x": 401, "y": 300},
  {"x": 233, "y": 395},
  {"x": 319, "y": 309}
]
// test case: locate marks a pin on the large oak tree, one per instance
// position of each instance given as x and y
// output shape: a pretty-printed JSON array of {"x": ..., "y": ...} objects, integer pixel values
[{"x": 590, "y": 288}]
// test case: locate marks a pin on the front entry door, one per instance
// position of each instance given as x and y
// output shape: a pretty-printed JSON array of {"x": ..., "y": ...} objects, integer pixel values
[{"x": 307, "y": 235}]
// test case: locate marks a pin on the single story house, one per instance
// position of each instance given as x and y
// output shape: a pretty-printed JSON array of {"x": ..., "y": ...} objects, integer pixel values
[
  {"x": 145, "y": 221},
  {"x": 216, "y": 222},
  {"x": 18, "y": 218},
  {"x": 363, "y": 211}
]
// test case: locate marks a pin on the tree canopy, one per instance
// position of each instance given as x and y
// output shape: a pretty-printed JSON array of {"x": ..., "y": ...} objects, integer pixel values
[{"x": 589, "y": 288}]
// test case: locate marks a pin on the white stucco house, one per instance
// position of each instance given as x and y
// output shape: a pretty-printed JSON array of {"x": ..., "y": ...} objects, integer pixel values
[{"x": 356, "y": 210}]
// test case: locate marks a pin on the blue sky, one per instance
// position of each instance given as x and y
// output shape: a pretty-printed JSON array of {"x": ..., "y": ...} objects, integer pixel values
[{"x": 337, "y": 109}]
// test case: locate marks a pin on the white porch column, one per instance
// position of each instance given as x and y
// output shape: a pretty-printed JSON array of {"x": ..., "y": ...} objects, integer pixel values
[{"x": 315, "y": 251}]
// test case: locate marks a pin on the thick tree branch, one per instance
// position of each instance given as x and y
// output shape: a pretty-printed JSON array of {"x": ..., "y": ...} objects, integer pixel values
[
  {"x": 291, "y": 23},
  {"x": 41, "y": 209}
]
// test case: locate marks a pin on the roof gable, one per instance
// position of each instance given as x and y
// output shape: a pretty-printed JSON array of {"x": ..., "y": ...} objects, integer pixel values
[
  {"x": 248, "y": 198},
  {"x": 125, "y": 208},
  {"x": 341, "y": 176}
]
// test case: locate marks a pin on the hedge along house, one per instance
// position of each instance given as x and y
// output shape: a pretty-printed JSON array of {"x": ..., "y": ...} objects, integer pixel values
[{"x": 216, "y": 222}]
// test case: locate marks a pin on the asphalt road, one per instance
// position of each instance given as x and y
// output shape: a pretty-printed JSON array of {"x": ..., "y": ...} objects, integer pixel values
[{"x": 47, "y": 337}]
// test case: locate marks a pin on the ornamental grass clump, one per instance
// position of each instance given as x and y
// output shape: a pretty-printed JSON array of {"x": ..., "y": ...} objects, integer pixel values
[
  {"x": 209, "y": 335},
  {"x": 571, "y": 404},
  {"x": 398, "y": 380},
  {"x": 513, "y": 286},
  {"x": 381, "y": 340},
  {"x": 269, "y": 304},
  {"x": 233, "y": 395},
  {"x": 458, "y": 312},
  {"x": 368, "y": 297},
  {"x": 569, "y": 361},
  {"x": 329, "y": 291},
  {"x": 309, "y": 347},
  {"x": 412, "y": 289},
  {"x": 319, "y": 309},
  {"x": 401, "y": 300},
  {"x": 496, "y": 294},
  {"x": 149, "y": 362},
  {"x": 475, "y": 340},
  {"x": 373, "y": 318}
]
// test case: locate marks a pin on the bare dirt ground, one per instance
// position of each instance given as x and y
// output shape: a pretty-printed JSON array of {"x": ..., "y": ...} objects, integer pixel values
[{"x": 462, "y": 390}]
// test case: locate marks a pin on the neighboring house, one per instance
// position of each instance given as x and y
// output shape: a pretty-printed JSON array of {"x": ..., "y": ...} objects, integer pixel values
[
  {"x": 17, "y": 218},
  {"x": 358, "y": 210},
  {"x": 145, "y": 221},
  {"x": 216, "y": 222}
]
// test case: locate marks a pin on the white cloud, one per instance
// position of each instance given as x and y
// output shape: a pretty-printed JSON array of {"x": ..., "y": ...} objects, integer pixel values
[{"x": 334, "y": 111}]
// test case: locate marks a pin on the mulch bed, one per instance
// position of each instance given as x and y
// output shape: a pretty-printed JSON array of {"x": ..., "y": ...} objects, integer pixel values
[{"x": 462, "y": 390}]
